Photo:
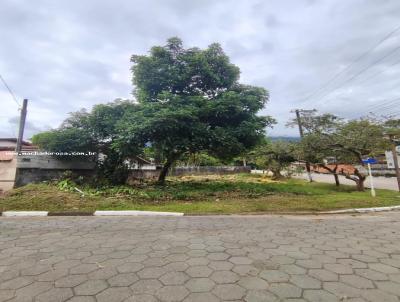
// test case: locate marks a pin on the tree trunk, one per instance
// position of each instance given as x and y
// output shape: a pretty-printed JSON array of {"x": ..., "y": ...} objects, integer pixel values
[
  {"x": 337, "y": 183},
  {"x": 334, "y": 172},
  {"x": 276, "y": 174},
  {"x": 308, "y": 169},
  {"x": 360, "y": 185},
  {"x": 165, "y": 169},
  {"x": 359, "y": 179}
]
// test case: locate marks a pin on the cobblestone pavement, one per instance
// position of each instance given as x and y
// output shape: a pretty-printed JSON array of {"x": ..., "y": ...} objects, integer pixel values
[{"x": 204, "y": 259}]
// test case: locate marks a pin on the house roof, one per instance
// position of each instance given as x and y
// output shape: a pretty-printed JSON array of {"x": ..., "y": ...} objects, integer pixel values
[
  {"x": 14, "y": 140},
  {"x": 6, "y": 156}
]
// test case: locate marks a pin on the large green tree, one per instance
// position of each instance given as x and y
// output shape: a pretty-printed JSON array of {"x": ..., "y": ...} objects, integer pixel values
[{"x": 190, "y": 100}]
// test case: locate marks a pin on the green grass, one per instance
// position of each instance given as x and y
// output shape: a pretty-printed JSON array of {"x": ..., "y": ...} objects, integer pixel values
[{"x": 245, "y": 193}]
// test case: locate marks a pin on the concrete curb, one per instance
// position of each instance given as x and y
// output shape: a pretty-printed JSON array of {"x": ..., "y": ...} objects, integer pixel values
[
  {"x": 96, "y": 213},
  {"x": 135, "y": 213},
  {"x": 176, "y": 214},
  {"x": 365, "y": 210},
  {"x": 24, "y": 213}
]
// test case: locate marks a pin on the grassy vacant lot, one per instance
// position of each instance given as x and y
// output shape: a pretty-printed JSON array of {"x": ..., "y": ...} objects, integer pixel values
[{"x": 245, "y": 193}]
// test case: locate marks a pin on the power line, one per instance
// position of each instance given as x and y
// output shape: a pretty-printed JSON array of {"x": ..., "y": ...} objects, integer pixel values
[
  {"x": 360, "y": 72},
  {"x": 352, "y": 63},
  {"x": 385, "y": 104},
  {"x": 10, "y": 91}
]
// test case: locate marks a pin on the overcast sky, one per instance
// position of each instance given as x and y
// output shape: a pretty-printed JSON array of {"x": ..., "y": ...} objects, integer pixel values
[{"x": 69, "y": 54}]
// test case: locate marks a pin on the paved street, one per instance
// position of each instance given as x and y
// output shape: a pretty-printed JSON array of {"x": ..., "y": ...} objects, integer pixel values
[
  {"x": 380, "y": 182},
  {"x": 203, "y": 259}
]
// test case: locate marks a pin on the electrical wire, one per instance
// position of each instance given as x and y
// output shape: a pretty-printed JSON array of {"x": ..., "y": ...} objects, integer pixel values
[
  {"x": 10, "y": 91},
  {"x": 335, "y": 76},
  {"x": 359, "y": 73}
]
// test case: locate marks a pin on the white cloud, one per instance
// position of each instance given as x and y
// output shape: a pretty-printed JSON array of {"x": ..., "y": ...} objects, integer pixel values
[{"x": 68, "y": 54}]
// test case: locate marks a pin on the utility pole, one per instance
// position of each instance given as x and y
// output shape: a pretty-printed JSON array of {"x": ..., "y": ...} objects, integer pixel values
[
  {"x": 299, "y": 123},
  {"x": 395, "y": 160},
  {"x": 21, "y": 126}
]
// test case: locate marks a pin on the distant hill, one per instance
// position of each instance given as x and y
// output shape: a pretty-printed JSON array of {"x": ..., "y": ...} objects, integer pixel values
[{"x": 284, "y": 138}]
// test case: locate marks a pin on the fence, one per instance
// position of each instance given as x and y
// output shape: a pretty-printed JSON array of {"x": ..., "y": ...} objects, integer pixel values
[{"x": 180, "y": 171}]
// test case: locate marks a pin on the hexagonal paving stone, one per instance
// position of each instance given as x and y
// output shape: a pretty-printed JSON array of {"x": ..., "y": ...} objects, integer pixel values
[
  {"x": 284, "y": 290},
  {"x": 245, "y": 270},
  {"x": 383, "y": 268},
  {"x": 197, "y": 246},
  {"x": 224, "y": 277},
  {"x": 196, "y": 285},
  {"x": 198, "y": 261},
  {"x": 52, "y": 275},
  {"x": 253, "y": 283},
  {"x": 352, "y": 263},
  {"x": 338, "y": 268},
  {"x": 309, "y": 263},
  {"x": 201, "y": 297},
  {"x": 103, "y": 273},
  {"x": 260, "y": 296},
  {"x": 319, "y": 295},
  {"x": 240, "y": 260},
  {"x": 323, "y": 275},
  {"x": 389, "y": 286},
  {"x": 172, "y": 293},
  {"x": 176, "y": 267},
  {"x": 229, "y": 291},
  {"x": 16, "y": 283},
  {"x": 82, "y": 299},
  {"x": 32, "y": 290},
  {"x": 55, "y": 295},
  {"x": 174, "y": 278},
  {"x": 83, "y": 269},
  {"x": 155, "y": 262},
  {"x": 357, "y": 281},
  {"x": 70, "y": 281},
  {"x": 131, "y": 267},
  {"x": 199, "y": 271},
  {"x": 151, "y": 272},
  {"x": 274, "y": 276},
  {"x": 282, "y": 259},
  {"x": 218, "y": 256},
  {"x": 341, "y": 290},
  {"x": 142, "y": 298},
  {"x": 292, "y": 269},
  {"x": 374, "y": 295},
  {"x": 35, "y": 270},
  {"x": 123, "y": 279},
  {"x": 304, "y": 281},
  {"x": 90, "y": 287},
  {"x": 177, "y": 257},
  {"x": 220, "y": 265},
  {"x": 6, "y": 294},
  {"x": 371, "y": 274},
  {"x": 149, "y": 286},
  {"x": 114, "y": 294}
]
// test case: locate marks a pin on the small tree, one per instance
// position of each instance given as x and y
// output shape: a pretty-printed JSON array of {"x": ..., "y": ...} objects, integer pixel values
[
  {"x": 315, "y": 148},
  {"x": 93, "y": 131},
  {"x": 315, "y": 145},
  {"x": 355, "y": 140},
  {"x": 274, "y": 156}
]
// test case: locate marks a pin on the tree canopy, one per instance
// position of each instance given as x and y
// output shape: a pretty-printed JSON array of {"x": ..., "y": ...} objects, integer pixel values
[
  {"x": 190, "y": 101},
  {"x": 186, "y": 101}
]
